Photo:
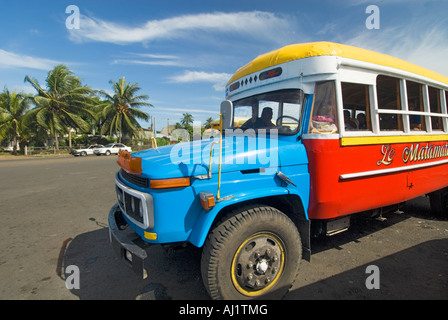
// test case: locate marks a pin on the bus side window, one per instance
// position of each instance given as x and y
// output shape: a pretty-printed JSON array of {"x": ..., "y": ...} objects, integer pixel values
[
  {"x": 388, "y": 93},
  {"x": 324, "y": 114},
  {"x": 415, "y": 103},
  {"x": 434, "y": 105},
  {"x": 356, "y": 107}
]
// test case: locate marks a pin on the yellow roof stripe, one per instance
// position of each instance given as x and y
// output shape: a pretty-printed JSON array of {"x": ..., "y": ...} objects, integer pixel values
[{"x": 313, "y": 49}]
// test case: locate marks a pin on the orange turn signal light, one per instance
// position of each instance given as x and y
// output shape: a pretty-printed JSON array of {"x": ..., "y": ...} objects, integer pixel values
[
  {"x": 207, "y": 200},
  {"x": 128, "y": 163},
  {"x": 170, "y": 183}
]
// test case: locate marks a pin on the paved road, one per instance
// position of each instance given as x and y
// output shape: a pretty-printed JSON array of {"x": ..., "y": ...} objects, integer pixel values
[{"x": 54, "y": 214}]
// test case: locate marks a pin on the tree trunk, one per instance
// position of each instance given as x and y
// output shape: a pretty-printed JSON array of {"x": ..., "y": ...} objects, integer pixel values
[
  {"x": 14, "y": 148},
  {"x": 69, "y": 138},
  {"x": 56, "y": 141}
]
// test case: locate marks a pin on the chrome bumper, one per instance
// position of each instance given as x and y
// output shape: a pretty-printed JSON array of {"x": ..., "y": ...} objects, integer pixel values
[{"x": 124, "y": 242}]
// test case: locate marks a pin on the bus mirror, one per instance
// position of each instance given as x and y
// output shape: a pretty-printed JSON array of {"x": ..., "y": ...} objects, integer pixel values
[{"x": 227, "y": 113}]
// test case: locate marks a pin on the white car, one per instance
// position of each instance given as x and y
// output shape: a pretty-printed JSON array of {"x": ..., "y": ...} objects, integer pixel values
[
  {"x": 111, "y": 148},
  {"x": 87, "y": 151}
]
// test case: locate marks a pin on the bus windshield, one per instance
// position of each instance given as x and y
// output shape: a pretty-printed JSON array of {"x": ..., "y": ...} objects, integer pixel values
[{"x": 281, "y": 110}]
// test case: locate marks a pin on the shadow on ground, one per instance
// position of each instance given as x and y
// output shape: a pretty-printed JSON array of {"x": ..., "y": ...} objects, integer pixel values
[
  {"x": 403, "y": 275},
  {"x": 172, "y": 274},
  {"x": 175, "y": 275}
]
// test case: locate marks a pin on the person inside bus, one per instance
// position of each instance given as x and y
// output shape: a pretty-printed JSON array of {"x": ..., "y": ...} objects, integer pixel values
[
  {"x": 250, "y": 124},
  {"x": 362, "y": 121},
  {"x": 349, "y": 123},
  {"x": 415, "y": 120},
  {"x": 264, "y": 122}
]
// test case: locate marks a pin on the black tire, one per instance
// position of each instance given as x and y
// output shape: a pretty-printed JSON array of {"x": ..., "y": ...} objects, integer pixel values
[
  {"x": 252, "y": 253},
  {"x": 439, "y": 203},
  {"x": 107, "y": 153},
  {"x": 83, "y": 154}
]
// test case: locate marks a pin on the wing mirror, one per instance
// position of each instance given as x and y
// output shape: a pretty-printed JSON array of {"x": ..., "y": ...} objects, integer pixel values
[{"x": 227, "y": 114}]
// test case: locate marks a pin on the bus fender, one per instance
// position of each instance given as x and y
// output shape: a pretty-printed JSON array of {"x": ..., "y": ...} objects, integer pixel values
[{"x": 204, "y": 222}]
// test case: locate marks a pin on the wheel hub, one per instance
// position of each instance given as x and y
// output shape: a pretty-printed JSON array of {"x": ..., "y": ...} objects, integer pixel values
[
  {"x": 258, "y": 264},
  {"x": 262, "y": 266}
]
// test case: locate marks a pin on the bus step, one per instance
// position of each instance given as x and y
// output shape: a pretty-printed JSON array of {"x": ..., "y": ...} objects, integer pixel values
[{"x": 337, "y": 226}]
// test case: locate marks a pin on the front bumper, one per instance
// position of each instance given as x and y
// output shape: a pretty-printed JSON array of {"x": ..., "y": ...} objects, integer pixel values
[{"x": 127, "y": 244}]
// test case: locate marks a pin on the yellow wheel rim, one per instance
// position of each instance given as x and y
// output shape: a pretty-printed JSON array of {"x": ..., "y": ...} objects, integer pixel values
[{"x": 258, "y": 264}]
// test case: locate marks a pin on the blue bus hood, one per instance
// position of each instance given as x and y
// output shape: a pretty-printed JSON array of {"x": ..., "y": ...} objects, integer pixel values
[{"x": 238, "y": 154}]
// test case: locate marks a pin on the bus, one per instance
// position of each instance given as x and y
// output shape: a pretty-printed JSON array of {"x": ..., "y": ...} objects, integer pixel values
[
  {"x": 374, "y": 123},
  {"x": 310, "y": 134}
]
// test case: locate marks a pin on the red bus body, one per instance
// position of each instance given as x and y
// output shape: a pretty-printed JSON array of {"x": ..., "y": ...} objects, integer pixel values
[{"x": 349, "y": 179}]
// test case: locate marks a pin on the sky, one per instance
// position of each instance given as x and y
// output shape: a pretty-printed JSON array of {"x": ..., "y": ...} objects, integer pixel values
[{"x": 182, "y": 52}]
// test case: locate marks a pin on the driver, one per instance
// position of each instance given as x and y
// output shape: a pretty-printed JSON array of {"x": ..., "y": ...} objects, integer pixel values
[
  {"x": 265, "y": 120},
  {"x": 250, "y": 124}
]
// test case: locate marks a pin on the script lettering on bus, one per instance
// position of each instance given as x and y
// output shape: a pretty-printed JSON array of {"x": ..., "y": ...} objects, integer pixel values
[
  {"x": 417, "y": 152},
  {"x": 414, "y": 153},
  {"x": 388, "y": 155}
]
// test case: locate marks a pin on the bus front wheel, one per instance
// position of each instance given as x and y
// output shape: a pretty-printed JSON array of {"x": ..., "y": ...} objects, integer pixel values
[{"x": 253, "y": 253}]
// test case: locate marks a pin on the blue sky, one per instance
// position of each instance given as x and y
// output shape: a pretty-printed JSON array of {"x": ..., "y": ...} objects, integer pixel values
[{"x": 181, "y": 53}]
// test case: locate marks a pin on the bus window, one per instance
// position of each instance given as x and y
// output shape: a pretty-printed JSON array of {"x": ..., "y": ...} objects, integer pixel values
[
  {"x": 279, "y": 110},
  {"x": 415, "y": 103},
  {"x": 324, "y": 115},
  {"x": 388, "y": 93},
  {"x": 268, "y": 114},
  {"x": 356, "y": 107},
  {"x": 434, "y": 105},
  {"x": 446, "y": 99},
  {"x": 245, "y": 113}
]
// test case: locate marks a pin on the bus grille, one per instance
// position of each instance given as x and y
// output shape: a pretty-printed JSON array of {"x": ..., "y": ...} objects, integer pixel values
[
  {"x": 130, "y": 205},
  {"x": 134, "y": 204},
  {"x": 135, "y": 179}
]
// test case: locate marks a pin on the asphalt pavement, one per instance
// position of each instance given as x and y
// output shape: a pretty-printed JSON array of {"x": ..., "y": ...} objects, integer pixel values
[{"x": 54, "y": 217}]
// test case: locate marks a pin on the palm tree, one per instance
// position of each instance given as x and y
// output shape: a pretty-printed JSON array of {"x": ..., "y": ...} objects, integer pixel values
[
  {"x": 120, "y": 111},
  {"x": 186, "y": 120},
  {"x": 13, "y": 107},
  {"x": 208, "y": 123},
  {"x": 60, "y": 106}
]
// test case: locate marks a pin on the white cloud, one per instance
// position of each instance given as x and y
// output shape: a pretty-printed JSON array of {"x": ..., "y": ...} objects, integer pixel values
[
  {"x": 254, "y": 23},
  {"x": 219, "y": 79},
  {"x": 419, "y": 43},
  {"x": 151, "y": 59},
  {"x": 194, "y": 76},
  {"x": 147, "y": 62},
  {"x": 10, "y": 59},
  {"x": 156, "y": 56}
]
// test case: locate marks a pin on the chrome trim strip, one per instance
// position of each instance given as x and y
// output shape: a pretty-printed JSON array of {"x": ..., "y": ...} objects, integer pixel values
[
  {"x": 147, "y": 203},
  {"x": 391, "y": 170}
]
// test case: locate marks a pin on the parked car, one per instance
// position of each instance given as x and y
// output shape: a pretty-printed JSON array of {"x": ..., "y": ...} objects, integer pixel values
[
  {"x": 111, "y": 148},
  {"x": 87, "y": 151}
]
